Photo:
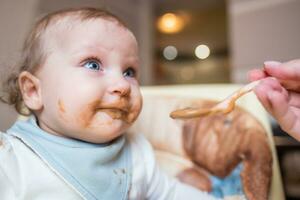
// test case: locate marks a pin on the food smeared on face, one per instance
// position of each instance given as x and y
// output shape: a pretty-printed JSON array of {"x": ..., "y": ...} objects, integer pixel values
[
  {"x": 62, "y": 110},
  {"x": 119, "y": 110},
  {"x": 61, "y": 106},
  {"x": 103, "y": 67}
]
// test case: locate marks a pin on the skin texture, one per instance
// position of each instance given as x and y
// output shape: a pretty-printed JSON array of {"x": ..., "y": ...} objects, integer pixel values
[
  {"x": 279, "y": 93},
  {"x": 218, "y": 143},
  {"x": 87, "y": 88}
]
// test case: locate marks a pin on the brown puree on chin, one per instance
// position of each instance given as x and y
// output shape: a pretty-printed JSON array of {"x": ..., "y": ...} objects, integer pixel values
[
  {"x": 219, "y": 143},
  {"x": 119, "y": 114}
]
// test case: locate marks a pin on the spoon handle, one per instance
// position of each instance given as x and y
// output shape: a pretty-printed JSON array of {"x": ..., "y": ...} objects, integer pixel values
[{"x": 225, "y": 106}]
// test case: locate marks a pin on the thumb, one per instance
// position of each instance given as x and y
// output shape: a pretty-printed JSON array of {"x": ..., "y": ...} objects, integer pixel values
[{"x": 283, "y": 71}]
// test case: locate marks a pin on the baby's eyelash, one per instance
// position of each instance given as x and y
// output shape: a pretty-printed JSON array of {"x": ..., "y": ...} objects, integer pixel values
[
  {"x": 130, "y": 72},
  {"x": 92, "y": 63},
  {"x": 91, "y": 58}
]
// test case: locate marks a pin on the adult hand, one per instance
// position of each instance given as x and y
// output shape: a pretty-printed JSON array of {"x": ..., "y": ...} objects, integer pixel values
[{"x": 279, "y": 93}]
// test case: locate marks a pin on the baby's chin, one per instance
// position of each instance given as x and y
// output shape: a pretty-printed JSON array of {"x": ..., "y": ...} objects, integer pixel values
[
  {"x": 105, "y": 130},
  {"x": 100, "y": 138},
  {"x": 113, "y": 115},
  {"x": 109, "y": 121},
  {"x": 103, "y": 127}
]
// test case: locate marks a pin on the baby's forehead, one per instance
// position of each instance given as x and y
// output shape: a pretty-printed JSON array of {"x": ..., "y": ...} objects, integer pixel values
[
  {"x": 74, "y": 35},
  {"x": 66, "y": 24},
  {"x": 58, "y": 30},
  {"x": 70, "y": 22}
]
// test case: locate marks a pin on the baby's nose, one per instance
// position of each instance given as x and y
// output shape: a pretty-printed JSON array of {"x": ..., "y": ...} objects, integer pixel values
[{"x": 120, "y": 87}]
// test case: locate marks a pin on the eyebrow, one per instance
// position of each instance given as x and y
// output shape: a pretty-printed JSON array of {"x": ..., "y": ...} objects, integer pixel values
[
  {"x": 90, "y": 49},
  {"x": 86, "y": 50}
]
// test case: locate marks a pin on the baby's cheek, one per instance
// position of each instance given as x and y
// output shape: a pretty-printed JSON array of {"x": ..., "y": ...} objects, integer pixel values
[
  {"x": 87, "y": 113},
  {"x": 135, "y": 111},
  {"x": 61, "y": 106},
  {"x": 84, "y": 118},
  {"x": 131, "y": 117},
  {"x": 81, "y": 116},
  {"x": 61, "y": 110}
]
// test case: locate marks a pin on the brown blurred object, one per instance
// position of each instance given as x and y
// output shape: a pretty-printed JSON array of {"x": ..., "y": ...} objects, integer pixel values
[
  {"x": 219, "y": 143},
  {"x": 195, "y": 177},
  {"x": 248, "y": 121},
  {"x": 291, "y": 167}
]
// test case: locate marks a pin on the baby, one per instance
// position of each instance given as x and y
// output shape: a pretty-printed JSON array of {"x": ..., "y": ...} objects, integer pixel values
[{"x": 79, "y": 81}]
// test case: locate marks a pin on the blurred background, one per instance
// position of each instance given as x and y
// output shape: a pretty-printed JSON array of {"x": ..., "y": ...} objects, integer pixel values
[{"x": 185, "y": 42}]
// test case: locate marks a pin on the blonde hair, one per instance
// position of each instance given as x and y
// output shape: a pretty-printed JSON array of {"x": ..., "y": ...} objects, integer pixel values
[{"x": 34, "y": 55}]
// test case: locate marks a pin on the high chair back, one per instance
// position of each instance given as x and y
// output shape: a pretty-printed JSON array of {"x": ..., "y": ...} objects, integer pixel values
[{"x": 166, "y": 134}]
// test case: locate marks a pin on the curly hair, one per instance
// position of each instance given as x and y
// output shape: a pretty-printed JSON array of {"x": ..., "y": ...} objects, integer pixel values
[{"x": 34, "y": 54}]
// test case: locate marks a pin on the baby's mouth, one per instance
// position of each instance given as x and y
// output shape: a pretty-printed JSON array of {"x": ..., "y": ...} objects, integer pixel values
[
  {"x": 115, "y": 113},
  {"x": 116, "y": 110},
  {"x": 125, "y": 114}
]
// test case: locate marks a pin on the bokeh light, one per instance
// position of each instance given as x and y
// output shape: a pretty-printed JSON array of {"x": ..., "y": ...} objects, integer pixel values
[
  {"x": 170, "y": 23},
  {"x": 202, "y": 51},
  {"x": 170, "y": 52}
]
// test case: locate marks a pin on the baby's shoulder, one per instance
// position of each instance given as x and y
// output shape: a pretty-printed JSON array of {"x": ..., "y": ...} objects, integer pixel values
[
  {"x": 1, "y": 143},
  {"x": 9, "y": 145},
  {"x": 4, "y": 142},
  {"x": 142, "y": 151},
  {"x": 7, "y": 152},
  {"x": 139, "y": 141}
]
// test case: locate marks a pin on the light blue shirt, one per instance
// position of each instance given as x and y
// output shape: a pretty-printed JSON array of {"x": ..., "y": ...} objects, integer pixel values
[{"x": 96, "y": 171}]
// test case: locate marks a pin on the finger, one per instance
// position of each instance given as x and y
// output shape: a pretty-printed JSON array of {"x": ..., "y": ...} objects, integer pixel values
[
  {"x": 272, "y": 63},
  {"x": 296, "y": 111},
  {"x": 295, "y": 130},
  {"x": 260, "y": 92},
  {"x": 273, "y": 83},
  {"x": 281, "y": 110},
  {"x": 285, "y": 71},
  {"x": 272, "y": 68},
  {"x": 294, "y": 99},
  {"x": 279, "y": 104},
  {"x": 268, "y": 84},
  {"x": 284, "y": 114},
  {"x": 256, "y": 74},
  {"x": 291, "y": 85}
]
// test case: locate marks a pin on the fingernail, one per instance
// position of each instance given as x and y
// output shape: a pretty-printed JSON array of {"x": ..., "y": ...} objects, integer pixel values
[
  {"x": 272, "y": 63},
  {"x": 272, "y": 78}
]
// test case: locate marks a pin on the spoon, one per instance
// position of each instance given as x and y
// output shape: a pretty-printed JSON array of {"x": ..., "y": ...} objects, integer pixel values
[{"x": 224, "y": 107}]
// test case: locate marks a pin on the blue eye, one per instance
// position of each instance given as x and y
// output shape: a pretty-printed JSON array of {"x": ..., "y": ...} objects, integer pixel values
[
  {"x": 93, "y": 65},
  {"x": 130, "y": 72}
]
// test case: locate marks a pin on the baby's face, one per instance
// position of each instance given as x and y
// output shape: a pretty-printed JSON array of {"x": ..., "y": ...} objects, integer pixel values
[{"x": 89, "y": 81}]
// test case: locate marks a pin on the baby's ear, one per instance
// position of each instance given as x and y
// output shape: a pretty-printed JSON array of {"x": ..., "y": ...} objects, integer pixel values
[{"x": 30, "y": 88}]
